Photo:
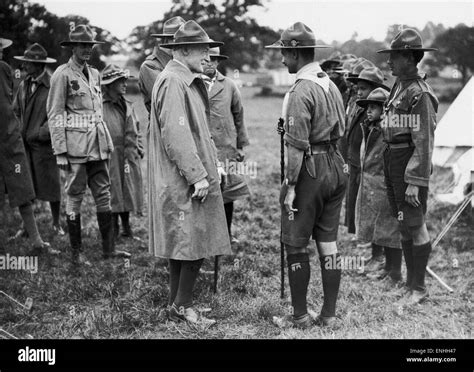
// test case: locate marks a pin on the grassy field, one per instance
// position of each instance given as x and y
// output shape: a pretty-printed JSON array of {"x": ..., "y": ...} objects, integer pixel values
[{"x": 113, "y": 300}]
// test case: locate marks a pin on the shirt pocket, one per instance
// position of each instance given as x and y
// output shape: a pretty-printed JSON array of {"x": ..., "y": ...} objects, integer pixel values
[{"x": 76, "y": 141}]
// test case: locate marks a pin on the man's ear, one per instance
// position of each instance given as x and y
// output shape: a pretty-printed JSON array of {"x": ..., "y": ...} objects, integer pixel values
[{"x": 295, "y": 54}]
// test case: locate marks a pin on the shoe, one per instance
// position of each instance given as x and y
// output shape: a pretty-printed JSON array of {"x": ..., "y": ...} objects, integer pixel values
[
  {"x": 289, "y": 321},
  {"x": 404, "y": 291},
  {"x": 44, "y": 247},
  {"x": 118, "y": 254},
  {"x": 190, "y": 316},
  {"x": 417, "y": 297},
  {"x": 78, "y": 258},
  {"x": 379, "y": 275},
  {"x": 58, "y": 230},
  {"x": 21, "y": 233},
  {"x": 327, "y": 321},
  {"x": 374, "y": 264}
]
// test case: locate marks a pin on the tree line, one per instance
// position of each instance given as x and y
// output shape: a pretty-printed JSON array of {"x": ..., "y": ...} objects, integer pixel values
[{"x": 26, "y": 23}]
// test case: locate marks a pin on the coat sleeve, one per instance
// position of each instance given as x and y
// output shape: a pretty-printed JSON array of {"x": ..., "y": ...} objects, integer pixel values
[
  {"x": 56, "y": 109},
  {"x": 146, "y": 80},
  {"x": 140, "y": 145},
  {"x": 176, "y": 131},
  {"x": 418, "y": 169},
  {"x": 16, "y": 102},
  {"x": 238, "y": 115}
]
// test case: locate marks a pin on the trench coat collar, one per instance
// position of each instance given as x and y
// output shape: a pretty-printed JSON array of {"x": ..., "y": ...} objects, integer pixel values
[
  {"x": 218, "y": 85},
  {"x": 80, "y": 70},
  {"x": 183, "y": 71},
  {"x": 42, "y": 79}
]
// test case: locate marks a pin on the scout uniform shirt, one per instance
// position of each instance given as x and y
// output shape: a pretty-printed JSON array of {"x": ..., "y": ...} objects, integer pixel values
[
  {"x": 314, "y": 112},
  {"x": 410, "y": 116},
  {"x": 75, "y": 120}
]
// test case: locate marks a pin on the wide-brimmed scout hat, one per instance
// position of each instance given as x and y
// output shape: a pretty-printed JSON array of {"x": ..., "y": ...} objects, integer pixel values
[
  {"x": 377, "y": 96},
  {"x": 407, "y": 39},
  {"x": 190, "y": 33},
  {"x": 334, "y": 58},
  {"x": 112, "y": 73},
  {"x": 216, "y": 53},
  {"x": 5, "y": 43},
  {"x": 36, "y": 54},
  {"x": 297, "y": 36},
  {"x": 346, "y": 66},
  {"x": 82, "y": 34},
  {"x": 170, "y": 27},
  {"x": 359, "y": 65},
  {"x": 371, "y": 75}
]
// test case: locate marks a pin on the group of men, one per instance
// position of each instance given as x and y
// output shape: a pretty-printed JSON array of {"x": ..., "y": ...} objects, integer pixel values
[{"x": 196, "y": 124}]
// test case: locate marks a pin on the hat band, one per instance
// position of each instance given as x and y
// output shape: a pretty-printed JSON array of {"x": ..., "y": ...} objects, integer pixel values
[
  {"x": 408, "y": 46},
  {"x": 125, "y": 74},
  {"x": 35, "y": 56},
  {"x": 192, "y": 39},
  {"x": 170, "y": 31},
  {"x": 297, "y": 43}
]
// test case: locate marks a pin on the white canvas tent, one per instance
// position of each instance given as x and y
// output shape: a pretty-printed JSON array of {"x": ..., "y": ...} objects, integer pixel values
[{"x": 453, "y": 143}]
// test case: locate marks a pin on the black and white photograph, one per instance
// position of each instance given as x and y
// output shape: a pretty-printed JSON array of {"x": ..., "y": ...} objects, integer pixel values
[{"x": 236, "y": 171}]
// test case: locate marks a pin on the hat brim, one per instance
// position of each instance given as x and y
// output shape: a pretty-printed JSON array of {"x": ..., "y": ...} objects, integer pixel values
[
  {"x": 211, "y": 44},
  {"x": 218, "y": 56},
  {"x": 6, "y": 43},
  {"x": 357, "y": 79},
  {"x": 47, "y": 60},
  {"x": 278, "y": 45},
  {"x": 413, "y": 49},
  {"x": 366, "y": 102},
  {"x": 69, "y": 43},
  {"x": 162, "y": 35},
  {"x": 111, "y": 80}
]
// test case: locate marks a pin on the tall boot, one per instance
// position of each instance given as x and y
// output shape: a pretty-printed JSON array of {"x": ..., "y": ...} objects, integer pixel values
[
  {"x": 75, "y": 239},
  {"x": 407, "y": 247},
  {"x": 127, "y": 231},
  {"x": 331, "y": 278},
  {"x": 106, "y": 230},
  {"x": 115, "y": 225},
  {"x": 421, "y": 254},
  {"x": 396, "y": 267}
]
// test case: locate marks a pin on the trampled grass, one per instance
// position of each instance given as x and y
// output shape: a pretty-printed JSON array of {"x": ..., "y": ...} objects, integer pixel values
[{"x": 114, "y": 300}]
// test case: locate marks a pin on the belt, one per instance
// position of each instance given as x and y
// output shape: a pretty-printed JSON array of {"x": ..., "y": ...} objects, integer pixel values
[
  {"x": 320, "y": 149},
  {"x": 400, "y": 145}
]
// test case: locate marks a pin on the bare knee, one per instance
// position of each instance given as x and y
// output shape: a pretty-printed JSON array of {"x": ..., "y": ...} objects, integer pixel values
[{"x": 326, "y": 248}]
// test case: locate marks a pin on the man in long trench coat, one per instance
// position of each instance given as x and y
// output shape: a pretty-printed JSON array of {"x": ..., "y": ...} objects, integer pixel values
[
  {"x": 185, "y": 206},
  {"x": 15, "y": 177},
  {"x": 30, "y": 108}
]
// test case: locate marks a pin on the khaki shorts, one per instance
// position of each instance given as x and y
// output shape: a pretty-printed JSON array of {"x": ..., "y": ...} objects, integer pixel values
[{"x": 318, "y": 200}]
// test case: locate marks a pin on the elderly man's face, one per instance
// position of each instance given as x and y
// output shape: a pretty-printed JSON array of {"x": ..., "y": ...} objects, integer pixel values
[
  {"x": 197, "y": 57},
  {"x": 210, "y": 68}
]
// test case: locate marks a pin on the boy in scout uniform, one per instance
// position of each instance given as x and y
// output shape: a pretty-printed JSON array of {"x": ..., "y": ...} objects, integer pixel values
[
  {"x": 156, "y": 62},
  {"x": 81, "y": 140},
  {"x": 30, "y": 108},
  {"x": 315, "y": 184},
  {"x": 373, "y": 218},
  {"x": 408, "y": 129},
  {"x": 366, "y": 81}
]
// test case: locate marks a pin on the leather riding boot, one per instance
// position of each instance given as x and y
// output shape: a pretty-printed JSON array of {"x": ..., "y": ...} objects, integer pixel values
[{"x": 106, "y": 230}]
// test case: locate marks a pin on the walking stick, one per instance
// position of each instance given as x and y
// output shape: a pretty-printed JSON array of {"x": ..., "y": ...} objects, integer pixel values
[
  {"x": 216, "y": 272},
  {"x": 281, "y": 130}
]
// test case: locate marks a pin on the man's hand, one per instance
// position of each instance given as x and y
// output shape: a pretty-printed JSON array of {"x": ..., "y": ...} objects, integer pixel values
[
  {"x": 222, "y": 175},
  {"x": 289, "y": 199},
  {"x": 200, "y": 190},
  {"x": 62, "y": 162},
  {"x": 411, "y": 195},
  {"x": 241, "y": 155}
]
